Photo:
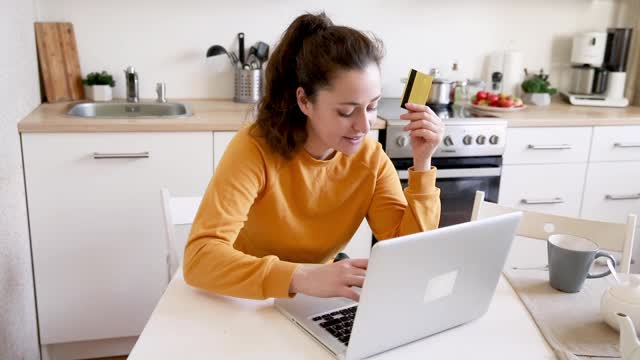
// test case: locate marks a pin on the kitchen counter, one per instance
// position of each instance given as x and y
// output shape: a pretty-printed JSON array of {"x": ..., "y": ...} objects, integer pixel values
[
  {"x": 225, "y": 115},
  {"x": 208, "y": 115},
  {"x": 562, "y": 114}
]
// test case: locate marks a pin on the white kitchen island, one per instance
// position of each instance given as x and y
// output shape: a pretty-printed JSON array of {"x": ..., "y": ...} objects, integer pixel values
[{"x": 192, "y": 324}]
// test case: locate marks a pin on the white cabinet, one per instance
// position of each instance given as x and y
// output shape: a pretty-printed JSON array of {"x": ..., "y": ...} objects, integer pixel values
[
  {"x": 99, "y": 250},
  {"x": 547, "y": 145},
  {"x": 544, "y": 169},
  {"x": 612, "y": 191},
  {"x": 616, "y": 143},
  {"x": 550, "y": 188}
]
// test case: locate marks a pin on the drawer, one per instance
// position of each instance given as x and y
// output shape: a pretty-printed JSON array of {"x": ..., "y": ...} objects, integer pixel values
[
  {"x": 612, "y": 191},
  {"x": 554, "y": 188},
  {"x": 611, "y": 143},
  {"x": 547, "y": 145}
]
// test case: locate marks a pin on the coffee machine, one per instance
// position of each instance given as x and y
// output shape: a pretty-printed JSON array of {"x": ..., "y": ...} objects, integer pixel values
[{"x": 598, "y": 72}]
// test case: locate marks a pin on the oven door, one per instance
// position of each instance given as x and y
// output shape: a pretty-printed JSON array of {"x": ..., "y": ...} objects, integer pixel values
[{"x": 458, "y": 180}]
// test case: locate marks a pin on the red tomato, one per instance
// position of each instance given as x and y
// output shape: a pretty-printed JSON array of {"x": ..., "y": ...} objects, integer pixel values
[
  {"x": 505, "y": 103},
  {"x": 494, "y": 103},
  {"x": 482, "y": 95},
  {"x": 493, "y": 98}
]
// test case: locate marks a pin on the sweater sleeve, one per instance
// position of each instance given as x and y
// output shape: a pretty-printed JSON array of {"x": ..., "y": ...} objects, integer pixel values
[
  {"x": 210, "y": 261},
  {"x": 394, "y": 212}
]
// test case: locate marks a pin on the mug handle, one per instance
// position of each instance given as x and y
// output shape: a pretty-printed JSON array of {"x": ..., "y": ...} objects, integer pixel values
[{"x": 602, "y": 254}]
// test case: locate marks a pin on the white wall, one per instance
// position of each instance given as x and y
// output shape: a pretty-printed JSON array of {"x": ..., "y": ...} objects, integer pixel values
[
  {"x": 167, "y": 40},
  {"x": 19, "y": 94}
]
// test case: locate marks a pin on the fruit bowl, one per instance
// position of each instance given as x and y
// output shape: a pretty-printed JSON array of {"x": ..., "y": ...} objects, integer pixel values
[
  {"x": 487, "y": 101},
  {"x": 498, "y": 109}
]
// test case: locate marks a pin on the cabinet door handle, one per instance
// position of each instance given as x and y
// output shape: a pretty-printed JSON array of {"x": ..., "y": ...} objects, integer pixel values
[
  {"x": 556, "y": 200},
  {"x": 138, "y": 155},
  {"x": 623, "y": 197},
  {"x": 626, "y": 145},
  {"x": 549, "y": 147}
]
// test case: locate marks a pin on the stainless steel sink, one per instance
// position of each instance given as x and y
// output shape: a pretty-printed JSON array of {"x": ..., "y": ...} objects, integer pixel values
[{"x": 129, "y": 110}]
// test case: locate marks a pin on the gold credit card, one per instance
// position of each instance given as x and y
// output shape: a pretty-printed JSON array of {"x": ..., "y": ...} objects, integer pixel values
[{"x": 417, "y": 88}]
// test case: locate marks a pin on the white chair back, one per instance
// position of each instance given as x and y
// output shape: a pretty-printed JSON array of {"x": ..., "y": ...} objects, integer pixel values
[
  {"x": 179, "y": 213},
  {"x": 609, "y": 236}
]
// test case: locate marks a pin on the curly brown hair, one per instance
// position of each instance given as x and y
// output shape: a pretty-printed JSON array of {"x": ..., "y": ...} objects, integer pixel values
[{"x": 310, "y": 53}]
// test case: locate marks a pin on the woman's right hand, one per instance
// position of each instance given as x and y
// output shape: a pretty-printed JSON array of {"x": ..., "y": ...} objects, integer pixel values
[{"x": 330, "y": 280}]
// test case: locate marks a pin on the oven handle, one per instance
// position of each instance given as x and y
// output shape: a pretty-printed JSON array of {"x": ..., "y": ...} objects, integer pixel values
[{"x": 457, "y": 173}]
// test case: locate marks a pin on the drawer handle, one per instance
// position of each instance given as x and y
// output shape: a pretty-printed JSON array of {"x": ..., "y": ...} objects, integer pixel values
[
  {"x": 549, "y": 147},
  {"x": 557, "y": 200},
  {"x": 626, "y": 145},
  {"x": 139, "y": 155},
  {"x": 622, "y": 197}
]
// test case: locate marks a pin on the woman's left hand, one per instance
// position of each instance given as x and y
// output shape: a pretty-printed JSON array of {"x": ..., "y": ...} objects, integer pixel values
[{"x": 426, "y": 131}]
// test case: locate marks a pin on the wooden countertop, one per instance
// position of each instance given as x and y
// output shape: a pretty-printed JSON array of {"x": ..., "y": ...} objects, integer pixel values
[
  {"x": 208, "y": 115},
  {"x": 225, "y": 115},
  {"x": 562, "y": 114}
]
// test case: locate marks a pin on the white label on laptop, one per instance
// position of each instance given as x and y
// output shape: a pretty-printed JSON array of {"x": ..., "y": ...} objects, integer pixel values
[{"x": 440, "y": 286}]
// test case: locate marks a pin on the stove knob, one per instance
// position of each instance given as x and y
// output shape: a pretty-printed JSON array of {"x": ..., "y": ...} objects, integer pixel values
[
  {"x": 467, "y": 139},
  {"x": 481, "y": 139},
  {"x": 493, "y": 139},
  {"x": 402, "y": 141},
  {"x": 447, "y": 141}
]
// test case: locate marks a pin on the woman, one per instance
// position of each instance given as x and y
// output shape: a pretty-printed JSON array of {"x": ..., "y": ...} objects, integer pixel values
[{"x": 291, "y": 190}]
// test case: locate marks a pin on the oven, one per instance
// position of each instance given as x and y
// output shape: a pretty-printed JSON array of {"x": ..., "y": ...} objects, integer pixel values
[
  {"x": 458, "y": 180},
  {"x": 469, "y": 159}
]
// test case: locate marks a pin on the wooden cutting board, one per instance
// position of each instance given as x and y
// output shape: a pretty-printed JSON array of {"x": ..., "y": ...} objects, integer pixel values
[{"x": 59, "y": 62}]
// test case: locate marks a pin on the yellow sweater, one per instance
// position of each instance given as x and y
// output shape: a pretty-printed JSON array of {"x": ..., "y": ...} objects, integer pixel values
[{"x": 262, "y": 215}]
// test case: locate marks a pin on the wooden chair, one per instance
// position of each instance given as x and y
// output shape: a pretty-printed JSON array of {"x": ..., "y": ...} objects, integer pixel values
[
  {"x": 609, "y": 236},
  {"x": 179, "y": 213}
]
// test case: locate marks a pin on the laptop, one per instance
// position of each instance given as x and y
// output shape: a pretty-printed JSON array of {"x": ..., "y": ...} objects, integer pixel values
[{"x": 416, "y": 285}]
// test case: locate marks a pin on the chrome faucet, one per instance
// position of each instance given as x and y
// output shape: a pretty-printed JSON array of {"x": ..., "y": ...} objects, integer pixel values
[{"x": 131, "y": 77}]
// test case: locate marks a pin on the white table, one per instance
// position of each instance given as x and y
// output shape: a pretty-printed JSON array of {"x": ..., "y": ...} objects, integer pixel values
[{"x": 189, "y": 323}]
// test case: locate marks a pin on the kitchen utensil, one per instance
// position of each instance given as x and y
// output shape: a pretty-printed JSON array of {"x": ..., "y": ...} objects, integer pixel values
[
  {"x": 216, "y": 50},
  {"x": 248, "y": 85},
  {"x": 252, "y": 51},
  {"x": 440, "y": 93},
  {"x": 59, "y": 61},
  {"x": 262, "y": 51},
  {"x": 241, "y": 48},
  {"x": 234, "y": 58},
  {"x": 629, "y": 344},
  {"x": 253, "y": 62},
  {"x": 623, "y": 298}
]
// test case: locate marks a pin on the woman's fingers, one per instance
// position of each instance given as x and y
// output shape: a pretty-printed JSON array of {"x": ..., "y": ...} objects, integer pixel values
[
  {"x": 359, "y": 263},
  {"x": 425, "y": 134},
  {"x": 350, "y": 294},
  {"x": 422, "y": 124},
  {"x": 354, "y": 280}
]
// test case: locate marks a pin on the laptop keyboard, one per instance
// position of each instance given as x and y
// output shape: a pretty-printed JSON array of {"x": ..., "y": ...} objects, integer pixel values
[{"x": 338, "y": 323}]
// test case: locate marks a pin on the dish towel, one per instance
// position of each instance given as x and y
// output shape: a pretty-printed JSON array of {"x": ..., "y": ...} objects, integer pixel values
[{"x": 571, "y": 323}]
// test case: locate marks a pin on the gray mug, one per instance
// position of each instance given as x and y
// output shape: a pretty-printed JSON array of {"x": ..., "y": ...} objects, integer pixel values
[{"x": 570, "y": 258}]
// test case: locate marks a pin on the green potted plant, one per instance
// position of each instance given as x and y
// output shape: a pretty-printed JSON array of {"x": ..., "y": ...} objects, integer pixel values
[
  {"x": 537, "y": 89},
  {"x": 97, "y": 86}
]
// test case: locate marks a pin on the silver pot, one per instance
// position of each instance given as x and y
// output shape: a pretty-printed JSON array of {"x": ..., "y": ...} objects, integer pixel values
[{"x": 440, "y": 93}]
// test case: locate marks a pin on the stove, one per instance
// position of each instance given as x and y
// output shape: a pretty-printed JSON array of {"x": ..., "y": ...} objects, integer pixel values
[
  {"x": 467, "y": 134},
  {"x": 469, "y": 159}
]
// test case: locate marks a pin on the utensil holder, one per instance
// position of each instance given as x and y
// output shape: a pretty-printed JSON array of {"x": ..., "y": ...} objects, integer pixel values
[{"x": 248, "y": 85}]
